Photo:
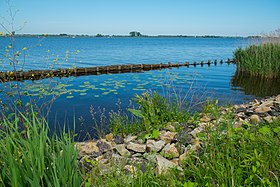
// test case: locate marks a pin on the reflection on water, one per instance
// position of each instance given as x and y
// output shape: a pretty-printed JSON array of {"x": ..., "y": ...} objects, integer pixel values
[{"x": 252, "y": 85}]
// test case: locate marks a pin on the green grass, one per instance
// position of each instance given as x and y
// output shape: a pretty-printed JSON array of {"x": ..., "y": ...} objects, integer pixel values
[
  {"x": 30, "y": 157},
  {"x": 259, "y": 60}
]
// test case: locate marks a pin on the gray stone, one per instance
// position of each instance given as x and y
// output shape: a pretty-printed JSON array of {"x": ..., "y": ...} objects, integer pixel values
[
  {"x": 122, "y": 150},
  {"x": 155, "y": 146},
  {"x": 163, "y": 165},
  {"x": 240, "y": 109},
  {"x": 138, "y": 148},
  {"x": 103, "y": 146},
  {"x": 118, "y": 139},
  {"x": 87, "y": 148},
  {"x": 129, "y": 138},
  {"x": 273, "y": 113}
]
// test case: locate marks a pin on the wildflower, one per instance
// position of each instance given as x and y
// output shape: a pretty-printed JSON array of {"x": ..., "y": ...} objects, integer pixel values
[{"x": 32, "y": 75}]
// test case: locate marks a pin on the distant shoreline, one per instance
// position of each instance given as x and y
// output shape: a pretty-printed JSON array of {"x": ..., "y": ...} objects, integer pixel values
[{"x": 125, "y": 36}]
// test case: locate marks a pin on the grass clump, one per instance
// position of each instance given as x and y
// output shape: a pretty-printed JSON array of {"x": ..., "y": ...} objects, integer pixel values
[
  {"x": 29, "y": 157},
  {"x": 245, "y": 156},
  {"x": 152, "y": 113},
  {"x": 259, "y": 60}
]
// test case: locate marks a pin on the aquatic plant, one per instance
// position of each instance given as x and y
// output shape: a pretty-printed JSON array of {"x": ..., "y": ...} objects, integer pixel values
[{"x": 260, "y": 59}]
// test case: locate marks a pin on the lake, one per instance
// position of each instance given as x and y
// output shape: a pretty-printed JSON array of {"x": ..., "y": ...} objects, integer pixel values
[{"x": 80, "y": 97}]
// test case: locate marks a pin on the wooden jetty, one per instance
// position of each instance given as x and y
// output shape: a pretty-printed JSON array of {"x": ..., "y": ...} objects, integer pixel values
[{"x": 112, "y": 69}]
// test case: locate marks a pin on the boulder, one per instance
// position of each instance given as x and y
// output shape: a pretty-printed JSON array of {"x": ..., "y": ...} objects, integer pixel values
[
  {"x": 262, "y": 109},
  {"x": 122, "y": 150},
  {"x": 138, "y": 148},
  {"x": 88, "y": 148},
  {"x": 170, "y": 151},
  {"x": 255, "y": 118},
  {"x": 109, "y": 137},
  {"x": 103, "y": 146},
  {"x": 155, "y": 146},
  {"x": 163, "y": 165},
  {"x": 167, "y": 136},
  {"x": 118, "y": 139},
  {"x": 129, "y": 138}
]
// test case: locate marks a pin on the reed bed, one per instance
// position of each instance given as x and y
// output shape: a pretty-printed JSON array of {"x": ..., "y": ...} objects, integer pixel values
[{"x": 259, "y": 60}]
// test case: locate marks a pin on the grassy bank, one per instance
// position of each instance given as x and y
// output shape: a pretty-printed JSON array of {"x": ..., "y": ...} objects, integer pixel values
[
  {"x": 259, "y": 60},
  {"x": 231, "y": 156}
]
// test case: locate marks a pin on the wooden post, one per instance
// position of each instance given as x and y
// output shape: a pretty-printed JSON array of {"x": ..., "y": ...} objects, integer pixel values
[
  {"x": 194, "y": 63},
  {"x": 228, "y": 61},
  {"x": 215, "y": 62},
  {"x": 202, "y": 62},
  {"x": 221, "y": 61}
]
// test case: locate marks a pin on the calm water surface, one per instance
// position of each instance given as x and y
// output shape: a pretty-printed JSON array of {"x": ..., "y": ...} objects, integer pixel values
[{"x": 77, "y": 96}]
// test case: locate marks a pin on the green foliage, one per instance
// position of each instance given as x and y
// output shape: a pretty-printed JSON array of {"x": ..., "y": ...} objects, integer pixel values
[
  {"x": 259, "y": 60},
  {"x": 29, "y": 157},
  {"x": 246, "y": 156}
]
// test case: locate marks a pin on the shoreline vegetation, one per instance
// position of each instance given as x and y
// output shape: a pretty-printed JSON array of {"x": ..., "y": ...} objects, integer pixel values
[
  {"x": 221, "y": 146},
  {"x": 261, "y": 60}
]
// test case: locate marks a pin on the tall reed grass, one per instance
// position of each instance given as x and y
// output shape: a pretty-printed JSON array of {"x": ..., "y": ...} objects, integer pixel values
[
  {"x": 261, "y": 59},
  {"x": 30, "y": 157}
]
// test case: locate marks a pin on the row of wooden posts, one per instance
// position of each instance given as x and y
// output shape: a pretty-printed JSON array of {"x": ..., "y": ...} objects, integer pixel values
[{"x": 41, "y": 74}]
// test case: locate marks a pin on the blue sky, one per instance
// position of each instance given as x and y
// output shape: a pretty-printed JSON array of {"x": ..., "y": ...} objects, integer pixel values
[{"x": 151, "y": 17}]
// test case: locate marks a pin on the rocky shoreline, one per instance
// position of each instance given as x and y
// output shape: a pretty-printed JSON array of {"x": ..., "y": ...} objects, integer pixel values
[{"x": 171, "y": 147}]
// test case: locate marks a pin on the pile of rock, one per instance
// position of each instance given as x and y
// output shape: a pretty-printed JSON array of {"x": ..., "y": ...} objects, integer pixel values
[
  {"x": 171, "y": 147},
  {"x": 265, "y": 110},
  {"x": 131, "y": 152}
]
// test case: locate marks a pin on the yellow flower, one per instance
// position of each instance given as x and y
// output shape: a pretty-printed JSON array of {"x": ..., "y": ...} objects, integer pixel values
[
  {"x": 24, "y": 49},
  {"x": 32, "y": 75}
]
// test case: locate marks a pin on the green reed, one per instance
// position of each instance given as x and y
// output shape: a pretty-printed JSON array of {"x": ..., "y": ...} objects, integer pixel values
[
  {"x": 29, "y": 157},
  {"x": 260, "y": 60}
]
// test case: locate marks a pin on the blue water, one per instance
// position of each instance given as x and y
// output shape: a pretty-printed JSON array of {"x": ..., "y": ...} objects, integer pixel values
[
  {"x": 41, "y": 52},
  {"x": 75, "y": 97}
]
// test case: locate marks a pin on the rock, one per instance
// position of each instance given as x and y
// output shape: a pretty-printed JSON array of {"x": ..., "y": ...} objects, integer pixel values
[
  {"x": 249, "y": 112},
  {"x": 196, "y": 145},
  {"x": 197, "y": 130},
  {"x": 268, "y": 103},
  {"x": 88, "y": 148},
  {"x": 138, "y": 148},
  {"x": 183, "y": 137},
  {"x": 119, "y": 160},
  {"x": 262, "y": 109},
  {"x": 167, "y": 137},
  {"x": 175, "y": 161},
  {"x": 268, "y": 119},
  {"x": 205, "y": 119},
  {"x": 118, "y": 139},
  {"x": 255, "y": 119},
  {"x": 240, "y": 109},
  {"x": 163, "y": 165},
  {"x": 183, "y": 157},
  {"x": 103, "y": 146},
  {"x": 171, "y": 126},
  {"x": 273, "y": 113},
  {"x": 154, "y": 146},
  {"x": 170, "y": 151},
  {"x": 129, "y": 138},
  {"x": 130, "y": 169},
  {"x": 109, "y": 137},
  {"x": 122, "y": 150},
  {"x": 137, "y": 155}
]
